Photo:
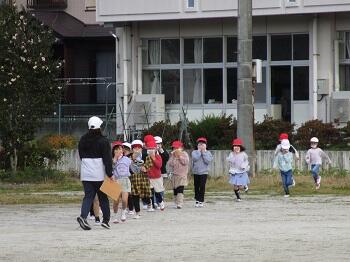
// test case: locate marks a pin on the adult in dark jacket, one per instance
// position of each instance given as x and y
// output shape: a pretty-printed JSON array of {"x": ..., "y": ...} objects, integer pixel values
[{"x": 96, "y": 163}]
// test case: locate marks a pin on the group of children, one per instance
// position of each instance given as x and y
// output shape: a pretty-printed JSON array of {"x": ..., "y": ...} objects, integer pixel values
[
  {"x": 140, "y": 167},
  {"x": 284, "y": 156}
]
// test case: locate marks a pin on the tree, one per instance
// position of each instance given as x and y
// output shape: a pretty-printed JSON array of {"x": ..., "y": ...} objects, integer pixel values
[{"x": 28, "y": 90}]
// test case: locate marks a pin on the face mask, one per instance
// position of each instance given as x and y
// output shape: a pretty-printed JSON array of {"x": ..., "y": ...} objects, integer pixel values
[{"x": 150, "y": 151}]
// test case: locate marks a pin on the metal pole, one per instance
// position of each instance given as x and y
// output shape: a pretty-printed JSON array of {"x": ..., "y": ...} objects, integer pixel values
[
  {"x": 59, "y": 118},
  {"x": 245, "y": 111}
]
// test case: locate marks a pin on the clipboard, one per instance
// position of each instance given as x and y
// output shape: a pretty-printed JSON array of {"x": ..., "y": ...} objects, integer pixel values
[{"x": 111, "y": 188}]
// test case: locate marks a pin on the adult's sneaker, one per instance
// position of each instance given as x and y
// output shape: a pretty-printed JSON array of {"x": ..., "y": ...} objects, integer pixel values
[
  {"x": 105, "y": 225},
  {"x": 83, "y": 223}
]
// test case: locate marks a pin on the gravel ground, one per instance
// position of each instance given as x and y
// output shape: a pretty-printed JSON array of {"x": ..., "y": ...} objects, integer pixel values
[{"x": 260, "y": 228}]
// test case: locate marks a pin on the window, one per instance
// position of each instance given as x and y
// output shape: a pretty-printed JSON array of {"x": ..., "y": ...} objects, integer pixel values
[
  {"x": 151, "y": 54},
  {"x": 213, "y": 85},
  {"x": 212, "y": 52},
  {"x": 344, "y": 60},
  {"x": 231, "y": 85},
  {"x": 260, "y": 47},
  {"x": 192, "y": 51},
  {"x": 232, "y": 49},
  {"x": 170, "y": 51},
  {"x": 192, "y": 86},
  {"x": 190, "y": 3},
  {"x": 301, "y": 83},
  {"x": 301, "y": 47},
  {"x": 260, "y": 89},
  {"x": 171, "y": 86},
  {"x": 151, "y": 82},
  {"x": 281, "y": 47}
]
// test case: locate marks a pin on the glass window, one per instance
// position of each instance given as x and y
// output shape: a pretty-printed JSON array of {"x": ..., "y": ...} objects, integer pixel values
[
  {"x": 231, "y": 85},
  {"x": 260, "y": 89},
  {"x": 260, "y": 47},
  {"x": 193, "y": 51},
  {"x": 151, "y": 82},
  {"x": 281, "y": 47},
  {"x": 170, "y": 51},
  {"x": 190, "y": 3},
  {"x": 192, "y": 85},
  {"x": 344, "y": 75},
  {"x": 301, "y": 47},
  {"x": 232, "y": 49},
  {"x": 171, "y": 86},
  {"x": 301, "y": 83},
  {"x": 213, "y": 85},
  {"x": 151, "y": 54},
  {"x": 212, "y": 50}
]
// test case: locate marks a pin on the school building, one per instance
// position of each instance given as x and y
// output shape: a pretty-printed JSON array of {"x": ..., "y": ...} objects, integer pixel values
[{"x": 182, "y": 55}]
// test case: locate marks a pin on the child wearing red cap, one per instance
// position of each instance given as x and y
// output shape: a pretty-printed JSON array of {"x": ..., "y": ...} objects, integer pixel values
[
  {"x": 178, "y": 165},
  {"x": 292, "y": 149},
  {"x": 201, "y": 159},
  {"x": 153, "y": 165},
  {"x": 238, "y": 167}
]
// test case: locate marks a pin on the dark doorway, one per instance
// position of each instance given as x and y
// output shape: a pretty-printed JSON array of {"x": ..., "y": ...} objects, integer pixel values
[{"x": 281, "y": 89}]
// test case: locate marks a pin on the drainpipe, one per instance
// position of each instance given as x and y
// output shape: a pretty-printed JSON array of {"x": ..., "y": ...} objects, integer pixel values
[
  {"x": 126, "y": 61},
  {"x": 314, "y": 66}
]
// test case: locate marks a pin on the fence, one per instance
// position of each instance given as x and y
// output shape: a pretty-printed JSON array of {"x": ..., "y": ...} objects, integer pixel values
[{"x": 340, "y": 159}]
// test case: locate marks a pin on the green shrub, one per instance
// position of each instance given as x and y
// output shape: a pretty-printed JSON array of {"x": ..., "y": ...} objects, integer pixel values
[
  {"x": 267, "y": 132},
  {"x": 328, "y": 135},
  {"x": 166, "y": 130},
  {"x": 219, "y": 130}
]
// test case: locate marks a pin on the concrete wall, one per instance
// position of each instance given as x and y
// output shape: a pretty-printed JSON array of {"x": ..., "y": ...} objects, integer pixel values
[
  {"x": 137, "y": 10},
  {"x": 340, "y": 160}
]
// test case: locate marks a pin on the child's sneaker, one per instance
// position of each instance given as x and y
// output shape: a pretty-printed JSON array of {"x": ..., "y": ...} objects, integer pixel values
[
  {"x": 137, "y": 216},
  {"x": 319, "y": 180},
  {"x": 200, "y": 204},
  {"x": 91, "y": 217},
  {"x": 246, "y": 188},
  {"x": 196, "y": 204},
  {"x": 161, "y": 205},
  {"x": 123, "y": 216},
  {"x": 116, "y": 219},
  {"x": 97, "y": 221},
  {"x": 239, "y": 199},
  {"x": 145, "y": 207},
  {"x": 286, "y": 195},
  {"x": 150, "y": 209},
  {"x": 178, "y": 206},
  {"x": 131, "y": 212}
]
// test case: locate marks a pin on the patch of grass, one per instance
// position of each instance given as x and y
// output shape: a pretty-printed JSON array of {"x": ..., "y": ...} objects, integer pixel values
[{"x": 28, "y": 198}]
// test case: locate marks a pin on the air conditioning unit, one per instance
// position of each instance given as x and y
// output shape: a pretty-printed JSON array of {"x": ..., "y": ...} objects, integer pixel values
[
  {"x": 148, "y": 109},
  {"x": 340, "y": 109}
]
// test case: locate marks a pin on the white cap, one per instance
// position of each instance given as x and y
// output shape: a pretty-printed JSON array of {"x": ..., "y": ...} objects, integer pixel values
[
  {"x": 137, "y": 142},
  {"x": 128, "y": 145},
  {"x": 285, "y": 144},
  {"x": 94, "y": 122},
  {"x": 314, "y": 140},
  {"x": 158, "y": 139}
]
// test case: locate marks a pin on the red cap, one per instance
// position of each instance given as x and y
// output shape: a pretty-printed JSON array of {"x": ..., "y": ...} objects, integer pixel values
[
  {"x": 237, "y": 142},
  {"x": 117, "y": 143},
  {"x": 148, "y": 138},
  {"x": 151, "y": 144},
  {"x": 202, "y": 139},
  {"x": 177, "y": 144},
  {"x": 283, "y": 136}
]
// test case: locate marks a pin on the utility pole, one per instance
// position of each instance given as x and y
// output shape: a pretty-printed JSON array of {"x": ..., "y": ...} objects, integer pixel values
[{"x": 245, "y": 111}]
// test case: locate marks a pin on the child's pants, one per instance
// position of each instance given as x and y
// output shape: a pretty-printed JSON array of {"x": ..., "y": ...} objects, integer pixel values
[
  {"x": 286, "y": 180},
  {"x": 315, "y": 170}
]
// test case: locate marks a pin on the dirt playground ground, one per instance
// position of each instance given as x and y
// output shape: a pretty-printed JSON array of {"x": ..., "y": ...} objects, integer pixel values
[{"x": 260, "y": 228}]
